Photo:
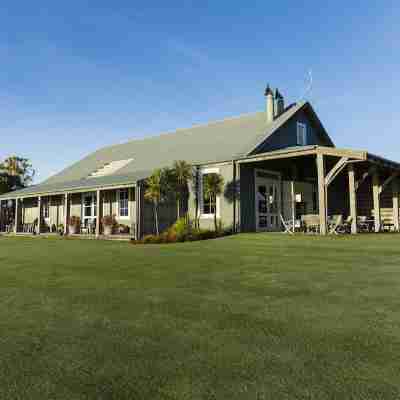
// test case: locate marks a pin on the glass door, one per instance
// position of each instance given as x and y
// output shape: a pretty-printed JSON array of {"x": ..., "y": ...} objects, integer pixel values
[
  {"x": 89, "y": 211},
  {"x": 268, "y": 186},
  {"x": 273, "y": 205},
  {"x": 262, "y": 207}
]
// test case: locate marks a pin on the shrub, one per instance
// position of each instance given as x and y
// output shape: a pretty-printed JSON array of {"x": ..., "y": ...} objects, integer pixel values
[
  {"x": 109, "y": 220},
  {"x": 171, "y": 236},
  {"x": 123, "y": 228},
  {"x": 207, "y": 234},
  {"x": 182, "y": 229},
  {"x": 183, "y": 232},
  {"x": 149, "y": 239},
  {"x": 74, "y": 221}
]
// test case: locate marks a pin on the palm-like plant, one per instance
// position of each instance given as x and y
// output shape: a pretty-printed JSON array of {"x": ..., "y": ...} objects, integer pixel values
[
  {"x": 153, "y": 192},
  {"x": 213, "y": 187},
  {"x": 183, "y": 173}
]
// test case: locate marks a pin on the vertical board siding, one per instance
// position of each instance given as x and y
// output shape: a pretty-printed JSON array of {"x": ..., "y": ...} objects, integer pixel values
[{"x": 247, "y": 198}]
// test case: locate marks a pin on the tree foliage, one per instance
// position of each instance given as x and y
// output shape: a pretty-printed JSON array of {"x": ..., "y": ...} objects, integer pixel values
[
  {"x": 182, "y": 174},
  {"x": 15, "y": 173},
  {"x": 157, "y": 188},
  {"x": 213, "y": 187}
]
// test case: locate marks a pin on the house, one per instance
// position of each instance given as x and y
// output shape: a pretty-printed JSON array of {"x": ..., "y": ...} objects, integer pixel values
[{"x": 278, "y": 165}]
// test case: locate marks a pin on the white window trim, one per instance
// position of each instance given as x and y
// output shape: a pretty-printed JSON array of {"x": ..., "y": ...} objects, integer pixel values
[
  {"x": 93, "y": 206},
  {"x": 118, "y": 208},
  {"x": 278, "y": 176},
  {"x": 301, "y": 127},
  {"x": 205, "y": 171}
]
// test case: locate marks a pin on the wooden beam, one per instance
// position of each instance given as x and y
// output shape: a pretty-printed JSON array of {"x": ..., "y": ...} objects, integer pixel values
[
  {"x": 387, "y": 181},
  {"x": 66, "y": 210},
  {"x": 322, "y": 200},
  {"x": 352, "y": 198},
  {"x": 277, "y": 155},
  {"x": 395, "y": 202},
  {"x": 98, "y": 194},
  {"x": 333, "y": 151},
  {"x": 376, "y": 198},
  {"x": 335, "y": 171}
]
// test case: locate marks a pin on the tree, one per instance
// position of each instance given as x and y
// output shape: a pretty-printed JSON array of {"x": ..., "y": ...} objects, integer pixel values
[
  {"x": 213, "y": 187},
  {"x": 15, "y": 173},
  {"x": 156, "y": 191},
  {"x": 183, "y": 174}
]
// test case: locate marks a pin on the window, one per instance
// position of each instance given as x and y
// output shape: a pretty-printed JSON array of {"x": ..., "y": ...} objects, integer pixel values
[
  {"x": 123, "y": 203},
  {"x": 209, "y": 202},
  {"x": 88, "y": 206},
  {"x": 301, "y": 134},
  {"x": 208, "y": 205}
]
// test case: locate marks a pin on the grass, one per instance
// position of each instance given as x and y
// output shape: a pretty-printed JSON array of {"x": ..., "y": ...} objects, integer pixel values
[{"x": 254, "y": 316}]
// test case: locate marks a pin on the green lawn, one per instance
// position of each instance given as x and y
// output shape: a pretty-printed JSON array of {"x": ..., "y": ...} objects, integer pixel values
[{"x": 249, "y": 317}]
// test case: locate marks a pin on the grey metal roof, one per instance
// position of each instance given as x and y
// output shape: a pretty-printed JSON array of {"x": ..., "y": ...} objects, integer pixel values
[
  {"x": 78, "y": 185},
  {"x": 216, "y": 141}
]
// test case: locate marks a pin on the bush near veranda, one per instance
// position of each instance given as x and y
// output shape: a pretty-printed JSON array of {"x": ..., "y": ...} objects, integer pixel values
[{"x": 183, "y": 231}]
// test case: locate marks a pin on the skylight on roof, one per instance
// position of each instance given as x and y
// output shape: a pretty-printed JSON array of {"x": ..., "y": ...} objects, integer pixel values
[{"x": 110, "y": 168}]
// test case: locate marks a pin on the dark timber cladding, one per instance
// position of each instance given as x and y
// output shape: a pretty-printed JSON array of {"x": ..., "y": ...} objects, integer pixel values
[{"x": 365, "y": 172}]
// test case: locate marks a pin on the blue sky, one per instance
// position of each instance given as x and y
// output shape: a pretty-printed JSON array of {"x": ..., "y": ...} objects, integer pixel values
[{"x": 76, "y": 75}]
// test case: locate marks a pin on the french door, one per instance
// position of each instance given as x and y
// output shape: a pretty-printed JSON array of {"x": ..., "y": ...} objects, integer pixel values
[
  {"x": 268, "y": 200},
  {"x": 89, "y": 208}
]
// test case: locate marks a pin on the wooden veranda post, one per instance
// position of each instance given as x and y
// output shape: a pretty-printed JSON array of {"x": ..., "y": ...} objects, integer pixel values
[
  {"x": 376, "y": 196},
  {"x": 66, "y": 214},
  {"x": 39, "y": 215},
  {"x": 98, "y": 213},
  {"x": 16, "y": 216},
  {"x": 138, "y": 199},
  {"x": 395, "y": 197},
  {"x": 352, "y": 198},
  {"x": 321, "y": 194},
  {"x": 293, "y": 194}
]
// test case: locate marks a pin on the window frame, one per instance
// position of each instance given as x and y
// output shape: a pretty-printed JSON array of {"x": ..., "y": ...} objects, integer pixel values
[
  {"x": 119, "y": 204},
  {"x": 301, "y": 134},
  {"x": 202, "y": 215}
]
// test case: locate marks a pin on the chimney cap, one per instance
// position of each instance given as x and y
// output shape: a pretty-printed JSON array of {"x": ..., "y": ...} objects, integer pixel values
[{"x": 268, "y": 91}]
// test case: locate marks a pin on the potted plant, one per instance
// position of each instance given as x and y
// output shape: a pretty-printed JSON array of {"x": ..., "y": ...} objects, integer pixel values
[
  {"x": 109, "y": 223},
  {"x": 123, "y": 229},
  {"x": 60, "y": 229},
  {"x": 74, "y": 224}
]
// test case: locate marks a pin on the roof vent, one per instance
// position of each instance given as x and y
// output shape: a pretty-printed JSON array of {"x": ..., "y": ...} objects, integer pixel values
[{"x": 110, "y": 168}]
